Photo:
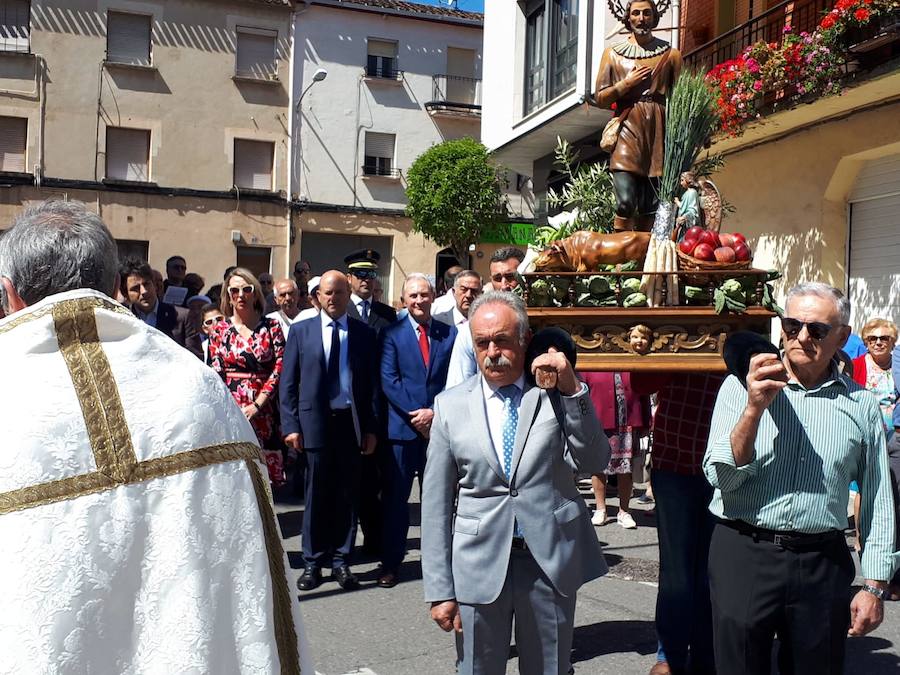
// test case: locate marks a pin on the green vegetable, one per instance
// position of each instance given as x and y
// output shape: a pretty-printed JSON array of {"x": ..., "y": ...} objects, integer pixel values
[
  {"x": 587, "y": 300},
  {"x": 598, "y": 285},
  {"x": 631, "y": 285},
  {"x": 630, "y": 266},
  {"x": 635, "y": 300},
  {"x": 540, "y": 288},
  {"x": 733, "y": 289},
  {"x": 582, "y": 286}
]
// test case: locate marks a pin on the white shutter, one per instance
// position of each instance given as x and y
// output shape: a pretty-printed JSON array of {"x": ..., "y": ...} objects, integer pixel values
[
  {"x": 873, "y": 270},
  {"x": 128, "y": 38},
  {"x": 13, "y": 139},
  {"x": 379, "y": 145},
  {"x": 253, "y": 164},
  {"x": 14, "y": 25},
  {"x": 256, "y": 54},
  {"x": 382, "y": 48},
  {"x": 127, "y": 154}
]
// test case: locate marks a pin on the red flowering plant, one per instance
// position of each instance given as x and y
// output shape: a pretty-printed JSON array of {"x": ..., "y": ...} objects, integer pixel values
[
  {"x": 738, "y": 85},
  {"x": 852, "y": 14}
]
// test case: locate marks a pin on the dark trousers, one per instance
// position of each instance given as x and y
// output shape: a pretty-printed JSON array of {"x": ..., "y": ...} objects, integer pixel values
[
  {"x": 406, "y": 459},
  {"x": 894, "y": 458},
  {"x": 370, "y": 509},
  {"x": 761, "y": 590},
  {"x": 684, "y": 529},
  {"x": 332, "y": 492}
]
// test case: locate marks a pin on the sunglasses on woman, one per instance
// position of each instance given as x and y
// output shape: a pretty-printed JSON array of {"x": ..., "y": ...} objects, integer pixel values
[
  {"x": 233, "y": 291},
  {"x": 872, "y": 339},
  {"x": 816, "y": 329}
]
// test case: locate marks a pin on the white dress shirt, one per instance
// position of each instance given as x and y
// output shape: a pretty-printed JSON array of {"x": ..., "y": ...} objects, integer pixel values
[
  {"x": 284, "y": 320},
  {"x": 308, "y": 313},
  {"x": 443, "y": 303},
  {"x": 358, "y": 303},
  {"x": 415, "y": 327},
  {"x": 493, "y": 406},
  {"x": 462, "y": 359},
  {"x": 343, "y": 400}
]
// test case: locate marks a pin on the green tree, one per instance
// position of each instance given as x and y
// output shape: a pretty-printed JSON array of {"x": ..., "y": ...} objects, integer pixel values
[{"x": 454, "y": 194}]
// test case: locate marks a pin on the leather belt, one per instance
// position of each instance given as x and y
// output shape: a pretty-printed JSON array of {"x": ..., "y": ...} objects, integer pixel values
[
  {"x": 519, "y": 544},
  {"x": 796, "y": 541}
]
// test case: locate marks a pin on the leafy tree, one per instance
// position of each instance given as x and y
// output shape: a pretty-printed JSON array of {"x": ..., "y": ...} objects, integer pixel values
[{"x": 454, "y": 194}]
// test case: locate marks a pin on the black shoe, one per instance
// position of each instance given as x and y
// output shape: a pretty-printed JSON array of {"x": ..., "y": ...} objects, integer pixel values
[
  {"x": 311, "y": 577},
  {"x": 345, "y": 578},
  {"x": 388, "y": 578}
]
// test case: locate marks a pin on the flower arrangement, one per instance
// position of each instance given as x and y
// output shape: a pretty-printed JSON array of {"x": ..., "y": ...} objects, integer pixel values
[{"x": 801, "y": 64}]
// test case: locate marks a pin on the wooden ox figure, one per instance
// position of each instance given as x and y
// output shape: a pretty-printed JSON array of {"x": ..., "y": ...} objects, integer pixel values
[{"x": 585, "y": 251}]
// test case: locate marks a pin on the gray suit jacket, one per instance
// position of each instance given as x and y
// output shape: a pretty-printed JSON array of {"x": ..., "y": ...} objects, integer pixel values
[{"x": 465, "y": 551}]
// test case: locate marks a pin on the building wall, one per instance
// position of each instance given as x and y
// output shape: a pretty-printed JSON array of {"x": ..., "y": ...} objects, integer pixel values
[
  {"x": 791, "y": 193},
  {"x": 187, "y": 99},
  {"x": 698, "y": 18}
]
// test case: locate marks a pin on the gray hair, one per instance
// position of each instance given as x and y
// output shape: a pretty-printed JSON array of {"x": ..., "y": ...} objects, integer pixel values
[
  {"x": 841, "y": 301},
  {"x": 511, "y": 300},
  {"x": 466, "y": 274},
  {"x": 418, "y": 276},
  {"x": 58, "y": 246}
]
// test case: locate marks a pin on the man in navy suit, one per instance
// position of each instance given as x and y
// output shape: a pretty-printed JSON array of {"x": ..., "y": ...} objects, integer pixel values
[
  {"x": 415, "y": 355},
  {"x": 327, "y": 392}
]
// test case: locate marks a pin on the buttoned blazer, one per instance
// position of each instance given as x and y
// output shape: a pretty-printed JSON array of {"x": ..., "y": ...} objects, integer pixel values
[
  {"x": 405, "y": 381},
  {"x": 303, "y": 388},
  {"x": 380, "y": 315},
  {"x": 466, "y": 549}
]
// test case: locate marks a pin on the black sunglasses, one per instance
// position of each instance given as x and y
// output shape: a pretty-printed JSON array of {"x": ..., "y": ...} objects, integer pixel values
[
  {"x": 364, "y": 274},
  {"x": 872, "y": 339},
  {"x": 509, "y": 276},
  {"x": 816, "y": 329},
  {"x": 233, "y": 291}
]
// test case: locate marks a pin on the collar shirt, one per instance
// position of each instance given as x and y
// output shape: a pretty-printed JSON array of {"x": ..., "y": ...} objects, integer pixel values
[
  {"x": 493, "y": 407},
  {"x": 343, "y": 400},
  {"x": 358, "y": 303},
  {"x": 810, "y": 444},
  {"x": 150, "y": 317},
  {"x": 415, "y": 327},
  {"x": 458, "y": 317}
]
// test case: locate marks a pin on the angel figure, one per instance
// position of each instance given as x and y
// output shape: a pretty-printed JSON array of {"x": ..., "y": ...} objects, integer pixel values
[
  {"x": 689, "y": 203},
  {"x": 639, "y": 338}
]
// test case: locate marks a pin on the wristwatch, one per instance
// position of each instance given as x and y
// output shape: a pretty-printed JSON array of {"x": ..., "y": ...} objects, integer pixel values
[{"x": 879, "y": 593}]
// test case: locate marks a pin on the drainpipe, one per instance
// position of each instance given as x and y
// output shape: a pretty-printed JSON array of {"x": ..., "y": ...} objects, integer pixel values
[
  {"x": 676, "y": 24},
  {"x": 292, "y": 142}
]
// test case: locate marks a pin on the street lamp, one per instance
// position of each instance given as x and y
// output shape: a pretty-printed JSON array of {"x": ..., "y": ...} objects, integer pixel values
[{"x": 318, "y": 76}]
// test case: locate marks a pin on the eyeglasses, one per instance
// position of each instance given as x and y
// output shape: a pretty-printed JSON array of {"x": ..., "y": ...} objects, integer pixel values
[
  {"x": 509, "y": 276},
  {"x": 816, "y": 329},
  {"x": 215, "y": 319},
  {"x": 364, "y": 274},
  {"x": 872, "y": 339},
  {"x": 234, "y": 291}
]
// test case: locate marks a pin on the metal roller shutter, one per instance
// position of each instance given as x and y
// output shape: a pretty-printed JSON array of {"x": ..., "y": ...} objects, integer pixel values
[
  {"x": 253, "y": 164},
  {"x": 874, "y": 256},
  {"x": 127, "y": 154},
  {"x": 382, "y": 48},
  {"x": 128, "y": 38},
  {"x": 15, "y": 29},
  {"x": 256, "y": 53},
  {"x": 13, "y": 140},
  {"x": 379, "y": 145}
]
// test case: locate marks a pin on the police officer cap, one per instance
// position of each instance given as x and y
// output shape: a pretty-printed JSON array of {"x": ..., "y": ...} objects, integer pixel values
[{"x": 363, "y": 259}]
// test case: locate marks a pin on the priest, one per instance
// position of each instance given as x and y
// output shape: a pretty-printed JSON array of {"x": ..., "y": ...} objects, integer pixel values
[{"x": 137, "y": 529}]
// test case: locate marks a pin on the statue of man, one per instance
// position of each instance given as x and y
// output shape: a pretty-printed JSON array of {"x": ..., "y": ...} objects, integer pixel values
[{"x": 636, "y": 75}]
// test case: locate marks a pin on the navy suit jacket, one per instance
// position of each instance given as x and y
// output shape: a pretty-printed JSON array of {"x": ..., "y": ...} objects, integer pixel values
[
  {"x": 380, "y": 315},
  {"x": 406, "y": 383},
  {"x": 303, "y": 389}
]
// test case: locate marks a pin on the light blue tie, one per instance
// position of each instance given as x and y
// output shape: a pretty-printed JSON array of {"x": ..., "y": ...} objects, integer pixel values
[{"x": 510, "y": 423}]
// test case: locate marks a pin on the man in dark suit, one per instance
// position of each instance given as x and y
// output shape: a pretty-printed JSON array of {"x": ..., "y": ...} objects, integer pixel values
[
  {"x": 327, "y": 391},
  {"x": 415, "y": 355},
  {"x": 137, "y": 286},
  {"x": 362, "y": 269}
]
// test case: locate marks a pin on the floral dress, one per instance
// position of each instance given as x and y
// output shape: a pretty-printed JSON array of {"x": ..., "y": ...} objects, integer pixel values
[
  {"x": 621, "y": 443},
  {"x": 881, "y": 383},
  {"x": 251, "y": 366}
]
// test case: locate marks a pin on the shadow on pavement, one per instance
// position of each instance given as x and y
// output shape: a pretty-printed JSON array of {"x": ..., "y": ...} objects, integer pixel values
[
  {"x": 608, "y": 637},
  {"x": 871, "y": 656},
  {"x": 410, "y": 571}
]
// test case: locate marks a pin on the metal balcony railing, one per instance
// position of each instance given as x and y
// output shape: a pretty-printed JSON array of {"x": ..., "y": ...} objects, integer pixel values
[
  {"x": 800, "y": 15},
  {"x": 388, "y": 73},
  {"x": 451, "y": 91},
  {"x": 372, "y": 170}
]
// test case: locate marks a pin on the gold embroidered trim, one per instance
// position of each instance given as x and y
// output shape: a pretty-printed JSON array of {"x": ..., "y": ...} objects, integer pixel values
[
  {"x": 285, "y": 633},
  {"x": 89, "y": 483},
  {"x": 96, "y": 303},
  {"x": 98, "y": 395}
]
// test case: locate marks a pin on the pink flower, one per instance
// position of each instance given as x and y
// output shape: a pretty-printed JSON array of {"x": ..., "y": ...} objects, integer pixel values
[{"x": 757, "y": 86}]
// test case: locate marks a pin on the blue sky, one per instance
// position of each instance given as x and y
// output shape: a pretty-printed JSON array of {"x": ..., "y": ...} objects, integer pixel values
[{"x": 468, "y": 5}]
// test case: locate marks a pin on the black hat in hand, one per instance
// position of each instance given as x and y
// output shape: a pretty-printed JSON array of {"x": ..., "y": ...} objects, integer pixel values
[{"x": 740, "y": 347}]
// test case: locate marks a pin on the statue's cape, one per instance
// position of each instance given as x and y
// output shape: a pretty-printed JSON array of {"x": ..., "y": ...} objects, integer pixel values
[{"x": 137, "y": 528}]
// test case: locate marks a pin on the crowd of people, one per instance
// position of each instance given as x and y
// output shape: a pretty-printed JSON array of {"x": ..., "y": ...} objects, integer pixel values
[{"x": 350, "y": 400}]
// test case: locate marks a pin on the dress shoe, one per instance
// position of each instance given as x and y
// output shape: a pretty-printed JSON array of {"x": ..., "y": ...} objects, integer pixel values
[
  {"x": 661, "y": 668},
  {"x": 311, "y": 577},
  {"x": 388, "y": 578},
  {"x": 345, "y": 578}
]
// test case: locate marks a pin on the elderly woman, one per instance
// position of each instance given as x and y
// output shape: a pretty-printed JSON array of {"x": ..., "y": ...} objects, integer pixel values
[
  {"x": 246, "y": 349},
  {"x": 872, "y": 370}
]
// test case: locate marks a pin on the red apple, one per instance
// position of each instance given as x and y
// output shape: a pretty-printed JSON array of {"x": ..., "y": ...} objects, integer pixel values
[
  {"x": 727, "y": 239},
  {"x": 704, "y": 252},
  {"x": 687, "y": 245},
  {"x": 711, "y": 238},
  {"x": 738, "y": 237},
  {"x": 693, "y": 232},
  {"x": 742, "y": 251},
  {"x": 724, "y": 254}
]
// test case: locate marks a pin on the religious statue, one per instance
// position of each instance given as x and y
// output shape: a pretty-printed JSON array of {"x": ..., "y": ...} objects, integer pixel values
[
  {"x": 640, "y": 338},
  {"x": 634, "y": 79},
  {"x": 689, "y": 203}
]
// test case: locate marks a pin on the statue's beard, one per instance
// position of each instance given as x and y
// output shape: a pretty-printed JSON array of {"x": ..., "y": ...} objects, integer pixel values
[{"x": 641, "y": 31}]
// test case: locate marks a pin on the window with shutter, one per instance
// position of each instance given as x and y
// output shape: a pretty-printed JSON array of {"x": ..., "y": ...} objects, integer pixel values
[
  {"x": 13, "y": 139},
  {"x": 15, "y": 26},
  {"x": 382, "y": 59},
  {"x": 253, "y": 164},
  {"x": 256, "y": 54},
  {"x": 379, "y": 154},
  {"x": 128, "y": 154},
  {"x": 128, "y": 38}
]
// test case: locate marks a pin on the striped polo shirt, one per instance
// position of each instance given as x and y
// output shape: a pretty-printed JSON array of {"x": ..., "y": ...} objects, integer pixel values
[{"x": 811, "y": 443}]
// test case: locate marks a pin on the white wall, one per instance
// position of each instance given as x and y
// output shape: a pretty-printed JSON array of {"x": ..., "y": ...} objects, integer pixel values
[{"x": 336, "y": 112}]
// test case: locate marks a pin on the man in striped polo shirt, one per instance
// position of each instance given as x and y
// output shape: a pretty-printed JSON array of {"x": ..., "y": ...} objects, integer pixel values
[{"x": 782, "y": 449}]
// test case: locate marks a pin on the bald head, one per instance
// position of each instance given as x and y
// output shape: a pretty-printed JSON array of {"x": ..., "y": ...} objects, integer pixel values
[{"x": 334, "y": 293}]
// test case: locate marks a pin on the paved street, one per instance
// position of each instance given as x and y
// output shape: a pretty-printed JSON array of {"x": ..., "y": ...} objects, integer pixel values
[{"x": 388, "y": 632}]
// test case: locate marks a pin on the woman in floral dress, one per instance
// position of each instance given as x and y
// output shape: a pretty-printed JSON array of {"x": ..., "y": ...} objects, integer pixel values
[{"x": 246, "y": 350}]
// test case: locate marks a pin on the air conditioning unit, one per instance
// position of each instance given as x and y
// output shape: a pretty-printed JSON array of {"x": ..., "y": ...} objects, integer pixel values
[{"x": 236, "y": 236}]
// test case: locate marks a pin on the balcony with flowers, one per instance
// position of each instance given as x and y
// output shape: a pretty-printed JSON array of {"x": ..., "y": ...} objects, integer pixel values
[{"x": 802, "y": 52}]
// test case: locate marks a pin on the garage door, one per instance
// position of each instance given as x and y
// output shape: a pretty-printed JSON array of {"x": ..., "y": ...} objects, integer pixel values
[{"x": 874, "y": 260}]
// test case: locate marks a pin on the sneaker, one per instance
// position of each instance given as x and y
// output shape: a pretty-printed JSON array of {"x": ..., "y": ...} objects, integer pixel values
[
  {"x": 625, "y": 520},
  {"x": 599, "y": 518},
  {"x": 645, "y": 499}
]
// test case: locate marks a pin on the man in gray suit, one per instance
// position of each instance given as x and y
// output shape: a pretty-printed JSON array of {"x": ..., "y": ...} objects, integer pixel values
[{"x": 519, "y": 542}]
